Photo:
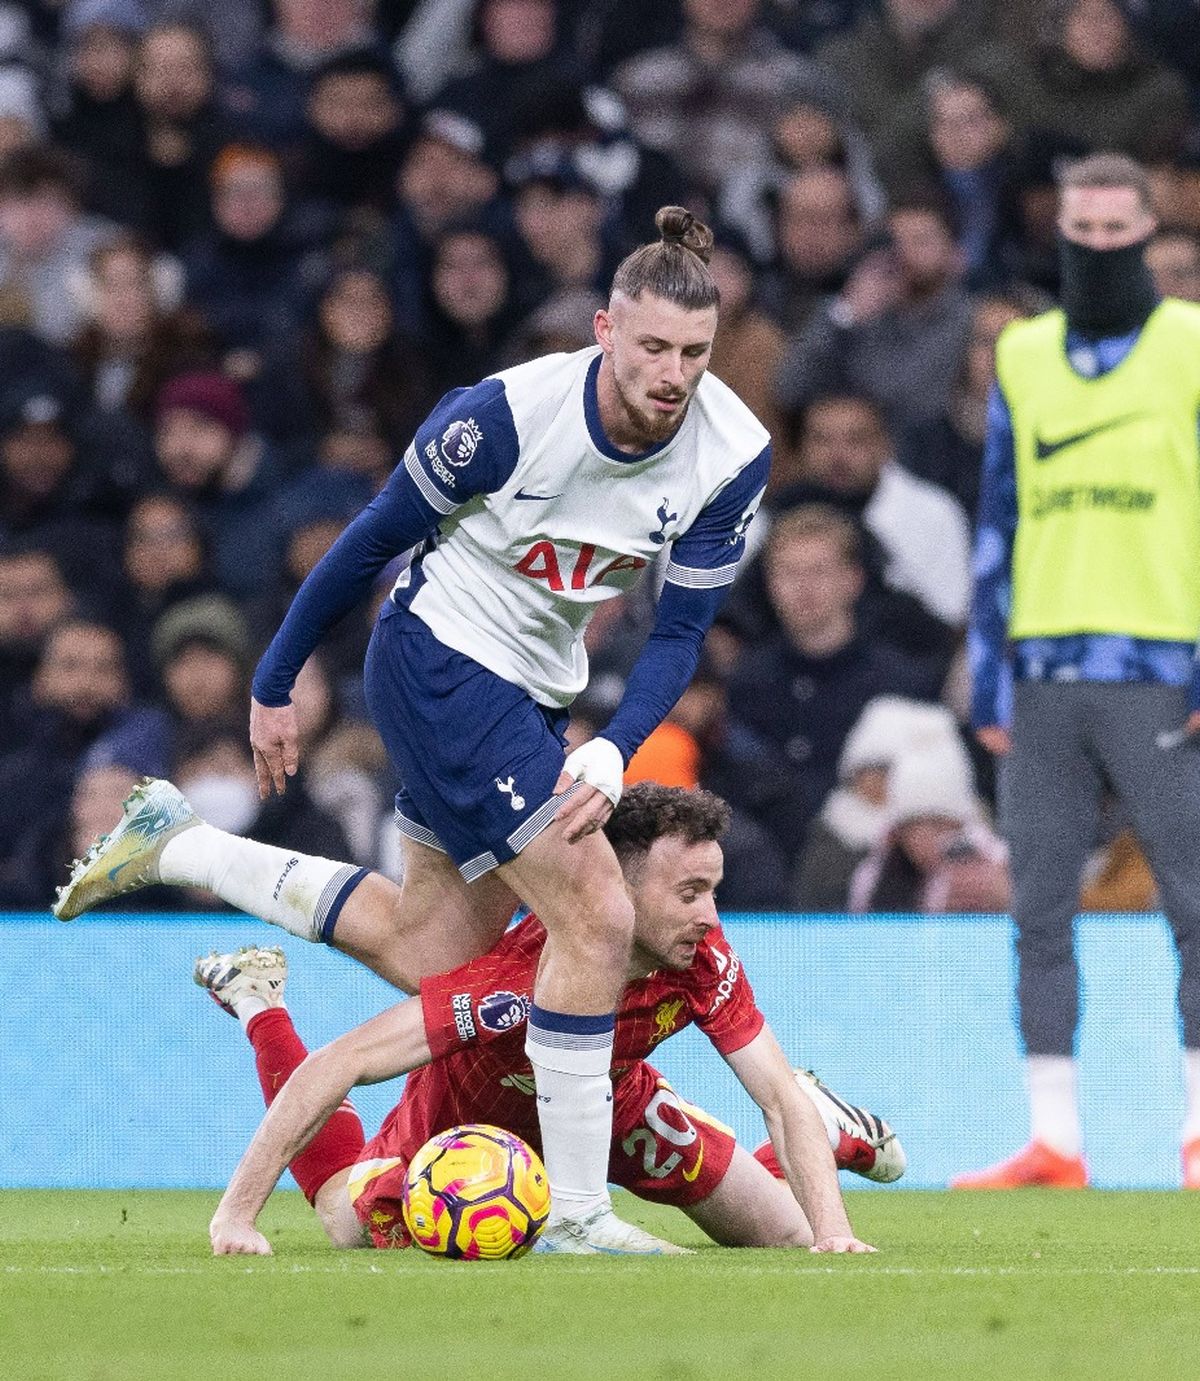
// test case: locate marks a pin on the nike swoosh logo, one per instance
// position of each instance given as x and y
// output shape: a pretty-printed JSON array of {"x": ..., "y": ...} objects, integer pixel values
[
  {"x": 690, "y": 1175},
  {"x": 534, "y": 498},
  {"x": 112, "y": 872},
  {"x": 1046, "y": 449}
]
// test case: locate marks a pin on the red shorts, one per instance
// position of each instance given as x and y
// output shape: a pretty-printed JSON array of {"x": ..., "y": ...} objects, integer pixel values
[
  {"x": 663, "y": 1149},
  {"x": 765, "y": 1155}
]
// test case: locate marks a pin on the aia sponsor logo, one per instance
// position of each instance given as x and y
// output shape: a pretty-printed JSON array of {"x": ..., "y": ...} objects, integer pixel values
[{"x": 541, "y": 562}]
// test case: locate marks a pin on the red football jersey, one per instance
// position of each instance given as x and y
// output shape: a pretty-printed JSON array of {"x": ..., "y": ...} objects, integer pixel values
[{"x": 475, "y": 1022}]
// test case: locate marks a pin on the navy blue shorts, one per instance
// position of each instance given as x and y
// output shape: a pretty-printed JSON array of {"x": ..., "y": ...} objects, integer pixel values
[{"x": 478, "y": 757}]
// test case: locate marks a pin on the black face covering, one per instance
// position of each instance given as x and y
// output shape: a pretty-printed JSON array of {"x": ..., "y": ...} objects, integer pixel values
[{"x": 1105, "y": 292}]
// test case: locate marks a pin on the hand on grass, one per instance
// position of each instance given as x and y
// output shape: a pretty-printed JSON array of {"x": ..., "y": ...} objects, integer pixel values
[
  {"x": 840, "y": 1245},
  {"x": 230, "y": 1238}
]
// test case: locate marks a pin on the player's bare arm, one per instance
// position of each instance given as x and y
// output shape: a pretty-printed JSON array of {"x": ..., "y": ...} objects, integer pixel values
[
  {"x": 799, "y": 1140},
  {"x": 391, "y": 1044}
]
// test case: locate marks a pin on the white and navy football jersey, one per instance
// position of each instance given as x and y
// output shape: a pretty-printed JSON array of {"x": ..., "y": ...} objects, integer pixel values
[{"x": 542, "y": 517}]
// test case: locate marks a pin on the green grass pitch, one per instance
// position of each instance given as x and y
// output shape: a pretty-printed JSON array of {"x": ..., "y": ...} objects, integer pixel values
[{"x": 119, "y": 1286}]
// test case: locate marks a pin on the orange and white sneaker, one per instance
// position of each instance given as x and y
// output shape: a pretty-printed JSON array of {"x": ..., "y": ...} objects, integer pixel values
[
  {"x": 1036, "y": 1166},
  {"x": 1191, "y": 1163}
]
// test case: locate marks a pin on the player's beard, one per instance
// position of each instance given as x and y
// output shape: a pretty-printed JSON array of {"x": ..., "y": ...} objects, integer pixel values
[{"x": 650, "y": 428}]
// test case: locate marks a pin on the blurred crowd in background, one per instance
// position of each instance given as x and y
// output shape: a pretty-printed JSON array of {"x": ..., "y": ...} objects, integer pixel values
[{"x": 244, "y": 247}]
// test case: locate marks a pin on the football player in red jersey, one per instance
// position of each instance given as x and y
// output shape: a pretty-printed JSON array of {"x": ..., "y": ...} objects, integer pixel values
[{"x": 463, "y": 1041}]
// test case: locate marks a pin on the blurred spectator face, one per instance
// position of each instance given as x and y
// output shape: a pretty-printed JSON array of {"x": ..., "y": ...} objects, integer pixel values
[
  {"x": 36, "y": 458},
  {"x": 353, "y": 110},
  {"x": 248, "y": 199},
  {"x": 162, "y": 546},
  {"x": 991, "y": 316},
  {"x": 1173, "y": 257},
  {"x": 21, "y": 124},
  {"x": 193, "y": 450},
  {"x": 203, "y": 681},
  {"x": 518, "y": 31},
  {"x": 924, "y": 840},
  {"x": 33, "y": 598},
  {"x": 33, "y": 222},
  {"x": 123, "y": 299},
  {"x": 440, "y": 183},
  {"x": 812, "y": 584},
  {"x": 804, "y": 134},
  {"x": 320, "y": 24},
  {"x": 726, "y": 18},
  {"x": 308, "y": 544},
  {"x": 312, "y": 696},
  {"x": 553, "y": 220},
  {"x": 82, "y": 672},
  {"x": 96, "y": 802},
  {"x": 220, "y": 784},
  {"x": 358, "y": 450},
  {"x": 925, "y": 250},
  {"x": 102, "y": 62},
  {"x": 965, "y": 128},
  {"x": 914, "y": 17},
  {"x": 818, "y": 222},
  {"x": 843, "y": 445},
  {"x": 356, "y": 312},
  {"x": 1104, "y": 217},
  {"x": 734, "y": 280},
  {"x": 1175, "y": 193},
  {"x": 871, "y": 783},
  {"x": 470, "y": 280},
  {"x": 1095, "y": 36},
  {"x": 174, "y": 79}
]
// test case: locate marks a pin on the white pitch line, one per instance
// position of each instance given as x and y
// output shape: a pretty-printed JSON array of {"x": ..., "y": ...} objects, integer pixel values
[{"x": 278, "y": 1268}]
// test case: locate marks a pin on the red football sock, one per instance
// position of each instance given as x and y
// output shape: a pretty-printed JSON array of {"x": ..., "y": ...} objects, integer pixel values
[
  {"x": 279, "y": 1052},
  {"x": 765, "y": 1155}
]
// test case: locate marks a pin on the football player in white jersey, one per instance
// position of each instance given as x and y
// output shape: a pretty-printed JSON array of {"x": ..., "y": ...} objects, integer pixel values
[{"x": 526, "y": 500}]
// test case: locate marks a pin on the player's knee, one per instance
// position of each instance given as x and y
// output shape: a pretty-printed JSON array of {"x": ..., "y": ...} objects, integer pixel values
[
  {"x": 604, "y": 919},
  {"x": 794, "y": 1234},
  {"x": 337, "y": 1215}
]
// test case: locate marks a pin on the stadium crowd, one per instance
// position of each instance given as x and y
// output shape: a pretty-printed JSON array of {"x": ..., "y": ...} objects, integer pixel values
[{"x": 244, "y": 248}]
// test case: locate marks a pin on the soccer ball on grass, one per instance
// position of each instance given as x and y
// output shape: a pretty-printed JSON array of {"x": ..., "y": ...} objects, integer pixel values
[{"x": 476, "y": 1193}]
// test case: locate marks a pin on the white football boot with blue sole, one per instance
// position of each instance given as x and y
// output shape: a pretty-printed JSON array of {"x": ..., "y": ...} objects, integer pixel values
[
  {"x": 127, "y": 859},
  {"x": 602, "y": 1233}
]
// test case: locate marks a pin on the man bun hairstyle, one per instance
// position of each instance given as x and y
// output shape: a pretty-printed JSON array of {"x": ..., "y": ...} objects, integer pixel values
[
  {"x": 673, "y": 267},
  {"x": 648, "y": 811}
]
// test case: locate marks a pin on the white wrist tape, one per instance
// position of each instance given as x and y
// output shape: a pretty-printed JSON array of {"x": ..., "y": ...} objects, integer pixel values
[{"x": 599, "y": 764}]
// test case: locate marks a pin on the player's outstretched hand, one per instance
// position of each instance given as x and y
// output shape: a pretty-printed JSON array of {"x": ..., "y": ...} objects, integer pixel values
[
  {"x": 840, "y": 1245},
  {"x": 236, "y": 1239},
  {"x": 275, "y": 740}
]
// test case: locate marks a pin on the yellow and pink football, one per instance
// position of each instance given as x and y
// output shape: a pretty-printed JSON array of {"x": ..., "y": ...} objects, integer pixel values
[{"x": 476, "y": 1193}]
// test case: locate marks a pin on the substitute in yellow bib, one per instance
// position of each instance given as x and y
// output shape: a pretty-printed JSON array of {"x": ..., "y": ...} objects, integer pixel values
[{"x": 1084, "y": 625}]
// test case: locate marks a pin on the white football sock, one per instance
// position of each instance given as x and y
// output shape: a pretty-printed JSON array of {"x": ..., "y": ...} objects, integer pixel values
[
  {"x": 247, "y": 1008},
  {"x": 1191, "y": 1087},
  {"x": 1054, "y": 1102},
  {"x": 572, "y": 1068},
  {"x": 298, "y": 892}
]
